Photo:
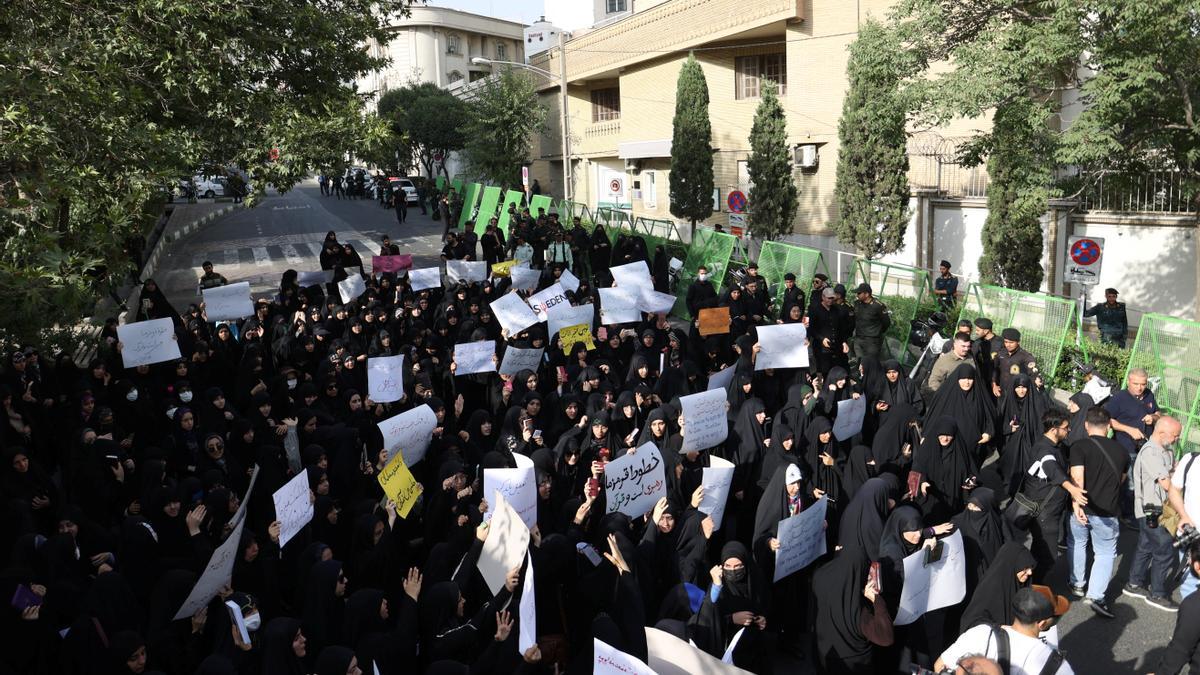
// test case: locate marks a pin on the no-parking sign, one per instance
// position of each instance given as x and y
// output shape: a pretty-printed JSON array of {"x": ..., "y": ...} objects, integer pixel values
[{"x": 1084, "y": 257}]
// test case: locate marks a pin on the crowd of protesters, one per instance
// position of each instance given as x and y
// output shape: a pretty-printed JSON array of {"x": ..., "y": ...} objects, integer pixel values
[{"x": 120, "y": 483}]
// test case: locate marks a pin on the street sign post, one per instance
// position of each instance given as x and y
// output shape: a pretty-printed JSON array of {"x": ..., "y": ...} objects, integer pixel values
[
  {"x": 1084, "y": 258},
  {"x": 736, "y": 201}
]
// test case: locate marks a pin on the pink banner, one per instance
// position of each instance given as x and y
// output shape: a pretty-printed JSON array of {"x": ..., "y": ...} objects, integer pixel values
[{"x": 390, "y": 263}]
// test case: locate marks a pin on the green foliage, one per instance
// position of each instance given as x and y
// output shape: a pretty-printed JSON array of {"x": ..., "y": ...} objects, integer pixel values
[
  {"x": 691, "y": 147},
  {"x": 1110, "y": 362},
  {"x": 504, "y": 117},
  {"x": 872, "y": 173},
  {"x": 108, "y": 101},
  {"x": 773, "y": 192},
  {"x": 425, "y": 120}
]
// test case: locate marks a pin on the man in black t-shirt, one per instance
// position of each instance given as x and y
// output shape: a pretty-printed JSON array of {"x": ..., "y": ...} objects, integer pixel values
[
  {"x": 1046, "y": 482},
  {"x": 1098, "y": 465}
]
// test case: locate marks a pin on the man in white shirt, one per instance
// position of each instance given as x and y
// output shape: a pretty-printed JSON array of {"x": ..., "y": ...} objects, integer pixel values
[
  {"x": 1017, "y": 648},
  {"x": 1184, "y": 495}
]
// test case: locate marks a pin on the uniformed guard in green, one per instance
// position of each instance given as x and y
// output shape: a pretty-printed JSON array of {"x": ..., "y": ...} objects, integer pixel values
[
  {"x": 1110, "y": 319},
  {"x": 1011, "y": 361}
]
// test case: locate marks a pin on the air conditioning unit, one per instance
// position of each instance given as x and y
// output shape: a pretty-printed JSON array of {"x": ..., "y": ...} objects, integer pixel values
[
  {"x": 806, "y": 156},
  {"x": 633, "y": 165}
]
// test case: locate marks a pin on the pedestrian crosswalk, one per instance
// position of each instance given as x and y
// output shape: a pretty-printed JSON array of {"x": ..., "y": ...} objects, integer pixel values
[{"x": 304, "y": 254}]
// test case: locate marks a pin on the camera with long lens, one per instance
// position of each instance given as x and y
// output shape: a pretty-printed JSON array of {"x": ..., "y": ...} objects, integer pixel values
[
  {"x": 922, "y": 330},
  {"x": 1153, "y": 513},
  {"x": 1187, "y": 535}
]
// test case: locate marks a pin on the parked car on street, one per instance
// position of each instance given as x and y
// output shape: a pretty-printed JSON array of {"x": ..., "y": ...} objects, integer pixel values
[{"x": 410, "y": 190}]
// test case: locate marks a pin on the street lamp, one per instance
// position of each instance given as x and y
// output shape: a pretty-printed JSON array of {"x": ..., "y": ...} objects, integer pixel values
[{"x": 561, "y": 80}]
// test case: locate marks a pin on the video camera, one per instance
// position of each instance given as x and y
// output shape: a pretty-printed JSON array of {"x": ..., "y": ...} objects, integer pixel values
[{"x": 922, "y": 330}]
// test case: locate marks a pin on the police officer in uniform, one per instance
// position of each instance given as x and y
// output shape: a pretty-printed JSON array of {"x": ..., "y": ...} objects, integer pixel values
[
  {"x": 792, "y": 295},
  {"x": 1011, "y": 361},
  {"x": 1111, "y": 319},
  {"x": 984, "y": 349},
  {"x": 871, "y": 322}
]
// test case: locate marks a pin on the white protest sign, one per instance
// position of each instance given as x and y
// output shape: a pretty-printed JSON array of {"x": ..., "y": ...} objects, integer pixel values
[
  {"x": 668, "y": 655},
  {"x": 147, "y": 342},
  {"x": 385, "y": 378},
  {"x": 351, "y": 287},
  {"x": 569, "y": 281},
  {"x": 572, "y": 316},
  {"x": 219, "y": 570},
  {"x": 722, "y": 378},
  {"x": 426, "y": 277},
  {"x": 618, "y": 305},
  {"x": 229, "y": 302},
  {"x": 650, "y": 300},
  {"x": 293, "y": 508},
  {"x": 523, "y": 277},
  {"x": 466, "y": 270},
  {"x": 519, "y": 490},
  {"x": 635, "y": 481},
  {"x": 930, "y": 587},
  {"x": 1096, "y": 389},
  {"x": 801, "y": 539},
  {"x": 716, "y": 480},
  {"x": 475, "y": 357},
  {"x": 409, "y": 433},
  {"x": 783, "y": 346},
  {"x": 704, "y": 422},
  {"x": 849, "y": 418},
  {"x": 506, "y": 544},
  {"x": 517, "y": 359},
  {"x": 513, "y": 313},
  {"x": 737, "y": 637},
  {"x": 527, "y": 610},
  {"x": 549, "y": 301},
  {"x": 304, "y": 279},
  {"x": 632, "y": 275},
  {"x": 611, "y": 661}
]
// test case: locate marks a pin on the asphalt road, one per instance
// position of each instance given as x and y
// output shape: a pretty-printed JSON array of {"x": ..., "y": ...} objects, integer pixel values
[{"x": 285, "y": 231}]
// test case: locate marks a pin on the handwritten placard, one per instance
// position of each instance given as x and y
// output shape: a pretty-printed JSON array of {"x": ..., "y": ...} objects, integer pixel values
[
  {"x": 704, "y": 422},
  {"x": 569, "y": 281},
  {"x": 147, "y": 342},
  {"x": 549, "y": 301},
  {"x": 783, "y": 346},
  {"x": 939, "y": 584},
  {"x": 293, "y": 507},
  {"x": 618, "y": 305},
  {"x": 527, "y": 609},
  {"x": 668, "y": 655},
  {"x": 716, "y": 479},
  {"x": 518, "y": 488},
  {"x": 501, "y": 269},
  {"x": 608, "y": 660},
  {"x": 390, "y": 263},
  {"x": 351, "y": 287},
  {"x": 573, "y": 335},
  {"x": 426, "y": 277},
  {"x": 650, "y": 300},
  {"x": 713, "y": 321},
  {"x": 409, "y": 433},
  {"x": 572, "y": 316},
  {"x": 466, "y": 270},
  {"x": 801, "y": 539},
  {"x": 635, "y": 481},
  {"x": 517, "y": 359},
  {"x": 505, "y": 546},
  {"x": 849, "y": 420},
  {"x": 475, "y": 357},
  {"x": 228, "y": 302},
  {"x": 513, "y": 313},
  {"x": 385, "y": 378},
  {"x": 524, "y": 278},
  {"x": 632, "y": 275},
  {"x": 399, "y": 485},
  {"x": 219, "y": 570}
]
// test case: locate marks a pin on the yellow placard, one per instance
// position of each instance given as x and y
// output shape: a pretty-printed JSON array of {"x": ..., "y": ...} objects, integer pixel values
[
  {"x": 567, "y": 337},
  {"x": 501, "y": 269},
  {"x": 399, "y": 484}
]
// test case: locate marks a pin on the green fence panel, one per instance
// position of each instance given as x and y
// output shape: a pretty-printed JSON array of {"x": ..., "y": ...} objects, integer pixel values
[
  {"x": 540, "y": 202},
  {"x": 511, "y": 197},
  {"x": 711, "y": 249},
  {"x": 1169, "y": 350},
  {"x": 487, "y": 207},
  {"x": 470, "y": 197},
  {"x": 1045, "y": 321},
  {"x": 441, "y": 183},
  {"x": 908, "y": 294},
  {"x": 777, "y": 259},
  {"x": 457, "y": 184}
]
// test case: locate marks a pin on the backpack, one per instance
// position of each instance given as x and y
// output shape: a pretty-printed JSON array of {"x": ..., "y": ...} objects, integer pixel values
[{"x": 1004, "y": 654}]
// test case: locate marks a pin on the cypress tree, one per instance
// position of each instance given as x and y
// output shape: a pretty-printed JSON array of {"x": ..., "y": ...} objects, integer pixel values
[
  {"x": 773, "y": 192},
  {"x": 691, "y": 146}
]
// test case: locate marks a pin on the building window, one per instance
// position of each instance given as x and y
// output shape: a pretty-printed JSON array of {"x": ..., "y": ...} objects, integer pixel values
[
  {"x": 477, "y": 75},
  {"x": 454, "y": 76},
  {"x": 615, "y": 6},
  {"x": 606, "y": 104},
  {"x": 752, "y": 70},
  {"x": 453, "y": 44},
  {"x": 501, "y": 51}
]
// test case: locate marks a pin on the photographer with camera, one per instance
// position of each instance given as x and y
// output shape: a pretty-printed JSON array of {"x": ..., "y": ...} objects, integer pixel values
[
  {"x": 1182, "y": 649},
  {"x": 1151, "y": 485},
  {"x": 1184, "y": 496}
]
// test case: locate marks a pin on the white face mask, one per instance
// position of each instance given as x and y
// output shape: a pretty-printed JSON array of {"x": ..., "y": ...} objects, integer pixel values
[
  {"x": 292, "y": 384},
  {"x": 702, "y": 276},
  {"x": 171, "y": 413},
  {"x": 186, "y": 397},
  {"x": 131, "y": 396},
  {"x": 253, "y": 622}
]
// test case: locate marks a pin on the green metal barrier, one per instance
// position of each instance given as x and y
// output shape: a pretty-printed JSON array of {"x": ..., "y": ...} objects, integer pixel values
[
  {"x": 487, "y": 207},
  {"x": 457, "y": 184},
  {"x": 510, "y": 197},
  {"x": 777, "y": 259},
  {"x": 441, "y": 183},
  {"x": 470, "y": 197},
  {"x": 711, "y": 249},
  {"x": 1169, "y": 350},
  {"x": 1044, "y": 320},
  {"x": 540, "y": 202},
  {"x": 905, "y": 290}
]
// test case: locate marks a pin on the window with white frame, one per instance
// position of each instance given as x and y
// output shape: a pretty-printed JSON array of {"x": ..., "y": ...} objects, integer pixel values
[
  {"x": 751, "y": 71},
  {"x": 453, "y": 44},
  {"x": 501, "y": 51},
  {"x": 615, "y": 6}
]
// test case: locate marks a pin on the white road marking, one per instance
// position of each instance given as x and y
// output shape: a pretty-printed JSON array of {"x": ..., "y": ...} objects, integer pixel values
[
  {"x": 261, "y": 257},
  {"x": 293, "y": 257}
]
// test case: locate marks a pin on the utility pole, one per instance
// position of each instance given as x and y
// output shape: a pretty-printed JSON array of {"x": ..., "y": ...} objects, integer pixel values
[{"x": 566, "y": 128}]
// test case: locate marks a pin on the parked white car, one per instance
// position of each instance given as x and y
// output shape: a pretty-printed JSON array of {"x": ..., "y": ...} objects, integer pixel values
[
  {"x": 410, "y": 190},
  {"x": 205, "y": 186}
]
